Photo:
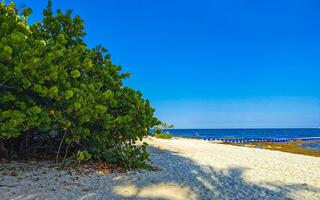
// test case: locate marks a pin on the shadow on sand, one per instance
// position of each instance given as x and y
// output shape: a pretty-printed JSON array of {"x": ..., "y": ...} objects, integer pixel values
[
  {"x": 181, "y": 178},
  {"x": 178, "y": 178}
]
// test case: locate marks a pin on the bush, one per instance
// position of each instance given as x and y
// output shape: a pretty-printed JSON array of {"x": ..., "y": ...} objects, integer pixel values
[
  {"x": 57, "y": 96},
  {"x": 162, "y": 135}
]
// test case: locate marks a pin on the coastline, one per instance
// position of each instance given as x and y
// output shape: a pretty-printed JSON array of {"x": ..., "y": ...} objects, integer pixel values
[
  {"x": 295, "y": 147},
  {"x": 290, "y": 146},
  {"x": 188, "y": 169}
]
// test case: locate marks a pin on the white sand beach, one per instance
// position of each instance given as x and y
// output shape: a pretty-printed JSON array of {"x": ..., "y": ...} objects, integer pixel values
[{"x": 189, "y": 169}]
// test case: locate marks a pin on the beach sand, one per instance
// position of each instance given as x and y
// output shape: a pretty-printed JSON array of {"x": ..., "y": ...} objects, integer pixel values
[{"x": 188, "y": 169}]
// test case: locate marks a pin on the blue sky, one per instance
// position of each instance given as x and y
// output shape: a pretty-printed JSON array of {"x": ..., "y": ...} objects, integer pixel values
[{"x": 213, "y": 64}]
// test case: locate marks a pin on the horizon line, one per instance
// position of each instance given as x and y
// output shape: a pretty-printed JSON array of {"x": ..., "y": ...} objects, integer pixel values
[{"x": 245, "y": 128}]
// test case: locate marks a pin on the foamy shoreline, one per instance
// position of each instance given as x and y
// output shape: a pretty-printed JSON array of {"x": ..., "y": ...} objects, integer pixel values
[{"x": 189, "y": 169}]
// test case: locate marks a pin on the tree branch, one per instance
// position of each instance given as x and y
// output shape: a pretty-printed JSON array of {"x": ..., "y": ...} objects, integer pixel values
[
  {"x": 2, "y": 85},
  {"x": 64, "y": 135},
  {"x": 7, "y": 87},
  {"x": 66, "y": 152}
]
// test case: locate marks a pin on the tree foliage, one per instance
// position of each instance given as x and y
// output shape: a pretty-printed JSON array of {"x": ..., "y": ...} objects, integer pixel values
[
  {"x": 54, "y": 90},
  {"x": 162, "y": 126}
]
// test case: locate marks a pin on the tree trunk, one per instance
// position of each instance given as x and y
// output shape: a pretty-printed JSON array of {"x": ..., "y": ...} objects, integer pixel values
[{"x": 4, "y": 156}]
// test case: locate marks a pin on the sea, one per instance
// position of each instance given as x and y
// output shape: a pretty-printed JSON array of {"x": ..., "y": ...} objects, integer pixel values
[{"x": 248, "y": 134}]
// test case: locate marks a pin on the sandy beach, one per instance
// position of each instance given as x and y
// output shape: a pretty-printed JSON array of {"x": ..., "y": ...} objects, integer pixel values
[{"x": 188, "y": 169}]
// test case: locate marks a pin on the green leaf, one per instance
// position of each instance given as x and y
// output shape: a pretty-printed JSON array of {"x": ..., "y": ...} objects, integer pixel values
[
  {"x": 26, "y": 12},
  {"x": 75, "y": 74},
  {"x": 53, "y": 90},
  {"x": 68, "y": 94},
  {"x": 77, "y": 105},
  {"x": 34, "y": 110},
  {"x": 7, "y": 52},
  {"x": 26, "y": 83}
]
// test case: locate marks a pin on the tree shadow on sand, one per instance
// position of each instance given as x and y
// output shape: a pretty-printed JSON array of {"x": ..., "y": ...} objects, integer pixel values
[{"x": 181, "y": 178}]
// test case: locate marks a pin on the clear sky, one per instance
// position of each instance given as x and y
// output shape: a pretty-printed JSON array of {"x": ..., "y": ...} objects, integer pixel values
[{"x": 210, "y": 63}]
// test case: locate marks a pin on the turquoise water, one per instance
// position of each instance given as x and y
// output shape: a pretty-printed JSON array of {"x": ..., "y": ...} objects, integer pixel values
[
  {"x": 245, "y": 133},
  {"x": 248, "y": 134}
]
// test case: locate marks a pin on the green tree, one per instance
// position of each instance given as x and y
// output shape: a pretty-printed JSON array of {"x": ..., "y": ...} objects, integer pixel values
[
  {"x": 161, "y": 126},
  {"x": 55, "y": 91}
]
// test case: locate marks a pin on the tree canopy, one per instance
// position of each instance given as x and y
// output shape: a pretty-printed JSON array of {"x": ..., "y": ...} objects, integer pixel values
[{"x": 59, "y": 96}]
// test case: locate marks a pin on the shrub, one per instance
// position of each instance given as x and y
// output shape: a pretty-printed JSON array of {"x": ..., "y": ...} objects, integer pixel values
[
  {"x": 162, "y": 135},
  {"x": 161, "y": 126},
  {"x": 57, "y": 96}
]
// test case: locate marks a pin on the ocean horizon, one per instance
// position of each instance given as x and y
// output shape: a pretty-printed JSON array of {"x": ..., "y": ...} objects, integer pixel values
[{"x": 245, "y": 133}]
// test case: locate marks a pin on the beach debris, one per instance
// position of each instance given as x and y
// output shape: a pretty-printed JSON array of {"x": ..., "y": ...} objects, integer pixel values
[
  {"x": 35, "y": 179},
  {"x": 98, "y": 167},
  {"x": 107, "y": 168},
  {"x": 12, "y": 173}
]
